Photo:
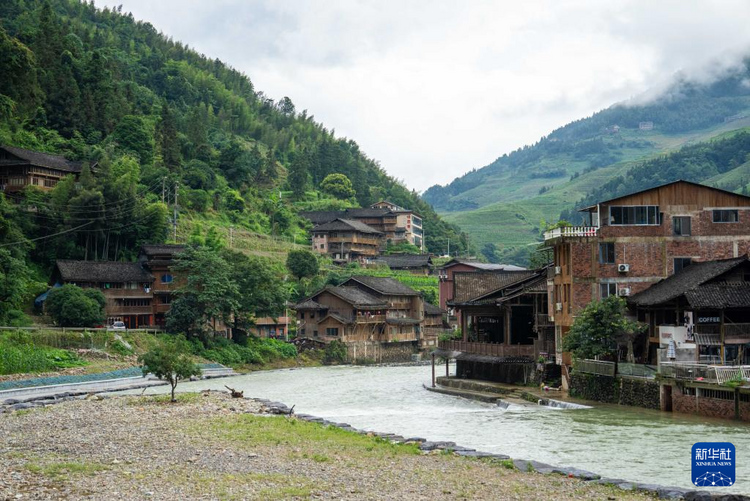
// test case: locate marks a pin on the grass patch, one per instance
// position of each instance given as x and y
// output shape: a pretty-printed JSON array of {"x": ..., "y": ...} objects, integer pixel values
[
  {"x": 508, "y": 463},
  {"x": 182, "y": 398},
  {"x": 66, "y": 468},
  {"x": 252, "y": 431},
  {"x": 19, "y": 355}
]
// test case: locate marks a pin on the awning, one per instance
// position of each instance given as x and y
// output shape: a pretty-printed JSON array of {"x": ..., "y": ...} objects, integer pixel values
[{"x": 708, "y": 339}]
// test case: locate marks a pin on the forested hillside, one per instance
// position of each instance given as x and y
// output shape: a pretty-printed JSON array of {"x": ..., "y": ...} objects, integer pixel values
[
  {"x": 598, "y": 157},
  {"x": 158, "y": 118},
  {"x": 162, "y": 130}
]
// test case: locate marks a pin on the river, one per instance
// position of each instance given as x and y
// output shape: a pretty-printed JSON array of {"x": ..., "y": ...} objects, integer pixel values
[{"x": 615, "y": 441}]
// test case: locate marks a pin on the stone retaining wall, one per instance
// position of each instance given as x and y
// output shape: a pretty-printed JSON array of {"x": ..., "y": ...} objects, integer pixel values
[{"x": 615, "y": 390}]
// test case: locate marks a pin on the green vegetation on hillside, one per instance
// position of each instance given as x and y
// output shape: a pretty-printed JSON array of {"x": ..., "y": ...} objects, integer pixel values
[
  {"x": 161, "y": 129},
  {"x": 508, "y": 203}
]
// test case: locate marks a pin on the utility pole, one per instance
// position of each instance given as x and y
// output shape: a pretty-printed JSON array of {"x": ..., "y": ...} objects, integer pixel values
[
  {"x": 174, "y": 219},
  {"x": 163, "y": 188},
  {"x": 231, "y": 236},
  {"x": 449, "y": 247}
]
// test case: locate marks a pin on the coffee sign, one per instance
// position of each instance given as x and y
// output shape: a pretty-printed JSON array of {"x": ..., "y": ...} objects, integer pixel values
[{"x": 709, "y": 320}]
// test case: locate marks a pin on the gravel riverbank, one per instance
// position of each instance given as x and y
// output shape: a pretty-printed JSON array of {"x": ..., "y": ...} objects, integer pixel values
[{"x": 209, "y": 446}]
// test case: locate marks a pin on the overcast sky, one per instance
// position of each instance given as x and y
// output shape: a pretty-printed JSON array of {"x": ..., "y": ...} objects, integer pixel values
[{"x": 432, "y": 89}]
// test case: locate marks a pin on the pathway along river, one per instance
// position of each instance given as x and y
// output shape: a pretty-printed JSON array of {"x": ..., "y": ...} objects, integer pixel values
[{"x": 614, "y": 441}]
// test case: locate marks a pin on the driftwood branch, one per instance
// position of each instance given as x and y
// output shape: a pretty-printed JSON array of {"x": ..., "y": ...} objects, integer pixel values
[{"x": 235, "y": 393}]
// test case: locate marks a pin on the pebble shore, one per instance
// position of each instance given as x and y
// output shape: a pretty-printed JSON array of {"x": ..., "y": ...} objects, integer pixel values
[{"x": 130, "y": 447}]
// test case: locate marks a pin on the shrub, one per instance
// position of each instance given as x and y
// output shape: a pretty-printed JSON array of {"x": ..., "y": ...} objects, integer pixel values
[
  {"x": 170, "y": 360},
  {"x": 71, "y": 306},
  {"x": 335, "y": 353}
]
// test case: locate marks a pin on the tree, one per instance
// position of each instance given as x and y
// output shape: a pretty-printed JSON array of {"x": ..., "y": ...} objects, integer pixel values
[
  {"x": 338, "y": 185},
  {"x": 170, "y": 360},
  {"x": 302, "y": 264},
  {"x": 71, "y": 306},
  {"x": 262, "y": 293},
  {"x": 299, "y": 177},
  {"x": 167, "y": 140},
  {"x": 600, "y": 328},
  {"x": 134, "y": 135}
]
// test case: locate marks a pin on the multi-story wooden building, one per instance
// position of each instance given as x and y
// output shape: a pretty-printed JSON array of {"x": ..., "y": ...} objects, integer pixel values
[
  {"x": 504, "y": 324},
  {"x": 20, "y": 168},
  {"x": 395, "y": 223},
  {"x": 636, "y": 240},
  {"x": 138, "y": 293},
  {"x": 347, "y": 240},
  {"x": 159, "y": 261},
  {"x": 363, "y": 309},
  {"x": 127, "y": 288},
  {"x": 447, "y": 287}
]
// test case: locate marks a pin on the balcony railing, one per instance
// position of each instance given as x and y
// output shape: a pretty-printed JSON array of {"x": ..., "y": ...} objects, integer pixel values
[
  {"x": 489, "y": 349},
  {"x": 705, "y": 373},
  {"x": 542, "y": 320},
  {"x": 571, "y": 231}
]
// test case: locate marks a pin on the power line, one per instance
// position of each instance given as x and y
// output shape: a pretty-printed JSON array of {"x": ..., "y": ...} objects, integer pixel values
[{"x": 46, "y": 236}]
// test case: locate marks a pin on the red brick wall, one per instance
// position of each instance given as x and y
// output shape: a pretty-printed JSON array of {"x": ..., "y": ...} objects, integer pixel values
[
  {"x": 682, "y": 403},
  {"x": 710, "y": 407}
]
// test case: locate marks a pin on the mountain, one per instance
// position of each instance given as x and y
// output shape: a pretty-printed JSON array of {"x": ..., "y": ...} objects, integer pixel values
[
  {"x": 599, "y": 157},
  {"x": 161, "y": 123}
]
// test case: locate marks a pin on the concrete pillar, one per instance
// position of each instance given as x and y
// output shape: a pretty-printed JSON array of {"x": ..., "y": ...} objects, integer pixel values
[{"x": 433, "y": 370}]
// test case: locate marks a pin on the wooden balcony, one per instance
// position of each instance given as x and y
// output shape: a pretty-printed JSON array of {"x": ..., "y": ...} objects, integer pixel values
[
  {"x": 127, "y": 293},
  {"x": 542, "y": 320},
  {"x": 489, "y": 349},
  {"x": 128, "y": 310}
]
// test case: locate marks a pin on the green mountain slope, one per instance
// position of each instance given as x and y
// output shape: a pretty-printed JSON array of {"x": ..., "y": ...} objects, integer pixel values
[
  {"x": 164, "y": 122},
  {"x": 503, "y": 205}
]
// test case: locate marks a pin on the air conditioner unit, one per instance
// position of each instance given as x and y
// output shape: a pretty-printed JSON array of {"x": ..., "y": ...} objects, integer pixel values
[
  {"x": 623, "y": 268},
  {"x": 558, "y": 306},
  {"x": 558, "y": 270},
  {"x": 625, "y": 291}
]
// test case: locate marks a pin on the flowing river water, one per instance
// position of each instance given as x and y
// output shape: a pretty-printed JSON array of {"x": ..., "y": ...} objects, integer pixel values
[{"x": 614, "y": 441}]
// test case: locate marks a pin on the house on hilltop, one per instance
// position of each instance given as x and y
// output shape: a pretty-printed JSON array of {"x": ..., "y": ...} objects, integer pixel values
[
  {"x": 20, "y": 168},
  {"x": 347, "y": 240}
]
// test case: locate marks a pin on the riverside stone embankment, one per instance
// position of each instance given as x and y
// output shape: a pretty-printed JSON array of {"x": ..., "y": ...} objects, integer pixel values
[{"x": 209, "y": 446}]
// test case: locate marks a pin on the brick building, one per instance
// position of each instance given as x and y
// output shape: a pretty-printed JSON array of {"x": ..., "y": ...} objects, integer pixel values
[{"x": 636, "y": 240}]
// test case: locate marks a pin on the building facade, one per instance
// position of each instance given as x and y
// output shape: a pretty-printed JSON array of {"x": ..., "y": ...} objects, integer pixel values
[
  {"x": 137, "y": 293},
  {"x": 636, "y": 240},
  {"x": 20, "y": 168},
  {"x": 408, "y": 222},
  {"x": 416, "y": 264},
  {"x": 347, "y": 240}
]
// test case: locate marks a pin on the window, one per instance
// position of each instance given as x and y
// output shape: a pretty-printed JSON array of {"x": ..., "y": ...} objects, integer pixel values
[
  {"x": 315, "y": 333},
  {"x": 167, "y": 278},
  {"x": 332, "y": 331},
  {"x": 634, "y": 215},
  {"x": 607, "y": 289},
  {"x": 607, "y": 253},
  {"x": 680, "y": 263},
  {"x": 726, "y": 216},
  {"x": 681, "y": 225}
]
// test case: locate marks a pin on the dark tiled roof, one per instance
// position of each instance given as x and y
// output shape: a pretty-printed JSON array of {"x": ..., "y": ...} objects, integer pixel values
[
  {"x": 345, "y": 225},
  {"x": 719, "y": 296},
  {"x": 536, "y": 284},
  {"x": 308, "y": 304},
  {"x": 356, "y": 297},
  {"x": 321, "y": 216},
  {"x": 483, "y": 266},
  {"x": 431, "y": 309},
  {"x": 384, "y": 285},
  {"x": 162, "y": 249},
  {"x": 688, "y": 279},
  {"x": 40, "y": 159},
  {"x": 470, "y": 286},
  {"x": 396, "y": 261},
  {"x": 102, "y": 271},
  {"x": 338, "y": 317},
  {"x": 367, "y": 212}
]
